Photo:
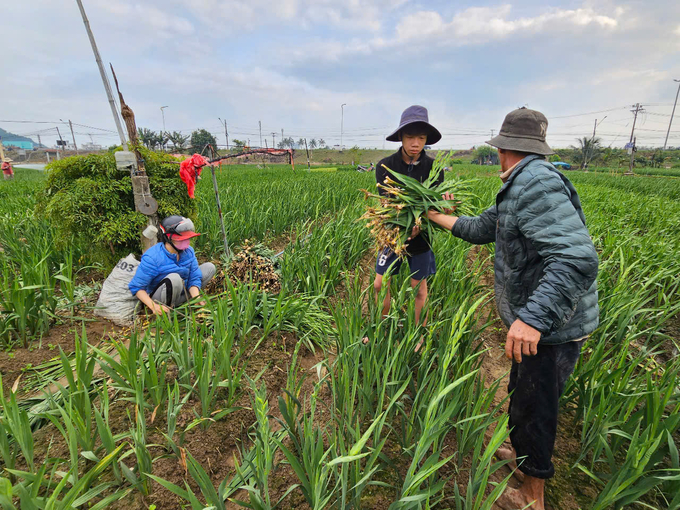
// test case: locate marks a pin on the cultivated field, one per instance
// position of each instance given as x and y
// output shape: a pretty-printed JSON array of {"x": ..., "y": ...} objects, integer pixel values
[{"x": 270, "y": 398}]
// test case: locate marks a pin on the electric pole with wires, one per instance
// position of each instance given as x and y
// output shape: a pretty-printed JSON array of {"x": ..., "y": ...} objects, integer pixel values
[
  {"x": 226, "y": 133},
  {"x": 631, "y": 144},
  {"x": 672, "y": 114},
  {"x": 73, "y": 136}
]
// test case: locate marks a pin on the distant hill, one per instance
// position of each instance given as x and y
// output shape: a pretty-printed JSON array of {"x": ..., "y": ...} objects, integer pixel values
[{"x": 6, "y": 135}]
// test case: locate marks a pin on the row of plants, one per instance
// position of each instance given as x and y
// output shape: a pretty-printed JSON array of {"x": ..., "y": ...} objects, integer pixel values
[{"x": 369, "y": 421}]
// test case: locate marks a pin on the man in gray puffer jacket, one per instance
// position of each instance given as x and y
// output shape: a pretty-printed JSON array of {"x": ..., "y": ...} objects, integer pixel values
[{"x": 545, "y": 270}]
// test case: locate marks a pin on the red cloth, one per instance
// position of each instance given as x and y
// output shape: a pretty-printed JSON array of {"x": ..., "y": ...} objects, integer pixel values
[
  {"x": 7, "y": 168},
  {"x": 189, "y": 171}
]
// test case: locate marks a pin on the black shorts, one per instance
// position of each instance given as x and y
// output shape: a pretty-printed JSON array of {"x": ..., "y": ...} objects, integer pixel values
[{"x": 421, "y": 265}]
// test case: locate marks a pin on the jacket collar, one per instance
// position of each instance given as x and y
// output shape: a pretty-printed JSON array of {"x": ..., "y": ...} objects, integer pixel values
[
  {"x": 171, "y": 256},
  {"x": 518, "y": 168}
]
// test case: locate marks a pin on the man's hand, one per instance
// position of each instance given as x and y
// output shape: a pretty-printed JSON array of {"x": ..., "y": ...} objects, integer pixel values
[
  {"x": 414, "y": 232},
  {"x": 449, "y": 196},
  {"x": 443, "y": 220},
  {"x": 522, "y": 339}
]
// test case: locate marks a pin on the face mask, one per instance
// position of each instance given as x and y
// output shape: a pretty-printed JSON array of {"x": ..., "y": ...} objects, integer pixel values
[{"x": 182, "y": 245}]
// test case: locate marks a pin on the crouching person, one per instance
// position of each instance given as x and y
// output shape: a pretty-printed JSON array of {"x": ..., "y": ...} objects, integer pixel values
[
  {"x": 545, "y": 269},
  {"x": 168, "y": 273}
]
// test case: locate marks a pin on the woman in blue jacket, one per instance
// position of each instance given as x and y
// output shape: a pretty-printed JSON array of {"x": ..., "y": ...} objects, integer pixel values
[{"x": 169, "y": 271}]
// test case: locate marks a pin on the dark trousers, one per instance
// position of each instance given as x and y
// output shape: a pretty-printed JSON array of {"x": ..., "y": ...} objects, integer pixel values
[{"x": 535, "y": 386}]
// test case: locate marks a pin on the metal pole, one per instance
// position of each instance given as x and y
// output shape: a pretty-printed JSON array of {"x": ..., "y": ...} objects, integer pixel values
[
  {"x": 61, "y": 139},
  {"x": 226, "y": 133},
  {"x": 592, "y": 145},
  {"x": 105, "y": 80},
  {"x": 342, "y": 121},
  {"x": 219, "y": 211},
  {"x": 260, "y": 123},
  {"x": 672, "y": 114},
  {"x": 308, "y": 167},
  {"x": 163, "y": 114},
  {"x": 73, "y": 135}
]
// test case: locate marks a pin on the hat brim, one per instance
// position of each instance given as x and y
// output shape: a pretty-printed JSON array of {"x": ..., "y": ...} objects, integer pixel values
[
  {"x": 433, "y": 135},
  {"x": 513, "y": 143},
  {"x": 184, "y": 236}
]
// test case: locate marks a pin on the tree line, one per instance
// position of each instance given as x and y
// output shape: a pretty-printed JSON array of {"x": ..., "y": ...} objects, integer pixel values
[{"x": 164, "y": 140}]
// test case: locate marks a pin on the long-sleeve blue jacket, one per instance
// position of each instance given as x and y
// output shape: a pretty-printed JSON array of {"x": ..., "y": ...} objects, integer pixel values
[{"x": 158, "y": 262}]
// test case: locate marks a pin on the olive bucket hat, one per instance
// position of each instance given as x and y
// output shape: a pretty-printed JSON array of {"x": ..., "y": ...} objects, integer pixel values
[
  {"x": 523, "y": 130},
  {"x": 416, "y": 115}
]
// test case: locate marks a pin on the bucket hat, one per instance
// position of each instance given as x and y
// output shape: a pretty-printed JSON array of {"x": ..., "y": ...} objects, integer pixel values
[
  {"x": 178, "y": 228},
  {"x": 523, "y": 130},
  {"x": 416, "y": 115}
]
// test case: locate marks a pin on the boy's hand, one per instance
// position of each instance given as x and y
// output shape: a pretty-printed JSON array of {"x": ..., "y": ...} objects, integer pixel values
[
  {"x": 415, "y": 232},
  {"x": 449, "y": 196}
]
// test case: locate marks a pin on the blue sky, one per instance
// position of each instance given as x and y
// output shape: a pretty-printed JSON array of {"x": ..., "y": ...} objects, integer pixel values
[{"x": 292, "y": 63}]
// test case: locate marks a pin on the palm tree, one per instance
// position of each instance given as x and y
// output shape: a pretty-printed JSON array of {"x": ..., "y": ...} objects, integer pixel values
[
  {"x": 147, "y": 137},
  {"x": 178, "y": 139},
  {"x": 322, "y": 143},
  {"x": 587, "y": 151},
  {"x": 312, "y": 143}
]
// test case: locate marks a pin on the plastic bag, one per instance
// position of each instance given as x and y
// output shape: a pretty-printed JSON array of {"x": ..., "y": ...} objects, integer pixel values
[{"x": 116, "y": 302}]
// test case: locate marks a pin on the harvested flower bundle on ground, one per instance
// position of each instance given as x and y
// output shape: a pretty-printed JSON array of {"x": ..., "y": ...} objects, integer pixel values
[
  {"x": 406, "y": 204},
  {"x": 253, "y": 265}
]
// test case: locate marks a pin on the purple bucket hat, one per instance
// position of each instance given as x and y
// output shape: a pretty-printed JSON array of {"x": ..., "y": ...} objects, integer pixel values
[{"x": 416, "y": 115}]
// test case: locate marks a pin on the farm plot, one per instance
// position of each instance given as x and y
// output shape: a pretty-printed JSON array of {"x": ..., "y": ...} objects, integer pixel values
[{"x": 262, "y": 399}]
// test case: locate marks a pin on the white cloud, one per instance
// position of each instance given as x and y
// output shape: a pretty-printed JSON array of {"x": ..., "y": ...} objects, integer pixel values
[
  {"x": 238, "y": 14},
  {"x": 153, "y": 18},
  {"x": 472, "y": 26},
  {"x": 481, "y": 24},
  {"x": 623, "y": 75}
]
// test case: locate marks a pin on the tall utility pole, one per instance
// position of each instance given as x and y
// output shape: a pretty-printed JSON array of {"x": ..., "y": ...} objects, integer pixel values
[
  {"x": 631, "y": 144},
  {"x": 63, "y": 145},
  {"x": 492, "y": 132},
  {"x": 39, "y": 141},
  {"x": 226, "y": 133},
  {"x": 105, "y": 80},
  {"x": 342, "y": 121},
  {"x": 73, "y": 135},
  {"x": 273, "y": 140},
  {"x": 672, "y": 114},
  {"x": 163, "y": 114},
  {"x": 260, "y": 123},
  {"x": 281, "y": 135}
]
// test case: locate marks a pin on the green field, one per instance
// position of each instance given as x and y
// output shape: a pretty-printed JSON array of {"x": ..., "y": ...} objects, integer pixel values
[{"x": 270, "y": 399}]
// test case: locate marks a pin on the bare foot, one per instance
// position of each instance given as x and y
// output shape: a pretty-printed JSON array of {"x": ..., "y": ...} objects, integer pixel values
[
  {"x": 510, "y": 454},
  {"x": 365, "y": 340},
  {"x": 513, "y": 499}
]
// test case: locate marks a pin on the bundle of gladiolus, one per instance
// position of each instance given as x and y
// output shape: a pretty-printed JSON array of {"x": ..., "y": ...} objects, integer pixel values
[{"x": 405, "y": 206}]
